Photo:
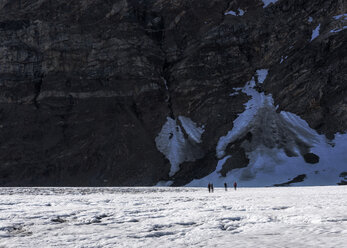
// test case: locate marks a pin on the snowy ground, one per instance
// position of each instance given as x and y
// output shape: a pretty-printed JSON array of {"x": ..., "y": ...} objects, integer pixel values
[{"x": 173, "y": 217}]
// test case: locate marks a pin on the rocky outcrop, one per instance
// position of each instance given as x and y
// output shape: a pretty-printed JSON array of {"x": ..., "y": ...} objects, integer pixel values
[{"x": 86, "y": 87}]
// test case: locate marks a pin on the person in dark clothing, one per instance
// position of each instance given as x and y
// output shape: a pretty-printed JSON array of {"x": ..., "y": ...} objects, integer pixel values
[
  {"x": 212, "y": 187},
  {"x": 235, "y": 185},
  {"x": 209, "y": 187},
  {"x": 226, "y": 186}
]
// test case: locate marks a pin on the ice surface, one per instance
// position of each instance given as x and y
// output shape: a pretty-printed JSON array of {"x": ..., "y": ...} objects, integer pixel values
[
  {"x": 310, "y": 217},
  {"x": 267, "y": 2},
  {"x": 172, "y": 142},
  {"x": 315, "y": 33}
]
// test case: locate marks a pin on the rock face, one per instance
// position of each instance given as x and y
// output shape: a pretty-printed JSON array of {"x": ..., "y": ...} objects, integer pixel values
[{"x": 86, "y": 86}]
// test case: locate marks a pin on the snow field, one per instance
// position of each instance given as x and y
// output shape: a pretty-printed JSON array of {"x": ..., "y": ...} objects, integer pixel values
[{"x": 173, "y": 217}]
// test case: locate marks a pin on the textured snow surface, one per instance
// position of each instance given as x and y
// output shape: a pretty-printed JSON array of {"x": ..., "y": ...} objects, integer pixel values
[
  {"x": 177, "y": 148},
  {"x": 267, "y": 2},
  {"x": 173, "y": 217}
]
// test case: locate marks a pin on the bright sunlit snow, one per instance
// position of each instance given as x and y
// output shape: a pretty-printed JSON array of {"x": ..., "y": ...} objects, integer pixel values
[
  {"x": 315, "y": 33},
  {"x": 267, "y": 2},
  {"x": 309, "y": 217}
]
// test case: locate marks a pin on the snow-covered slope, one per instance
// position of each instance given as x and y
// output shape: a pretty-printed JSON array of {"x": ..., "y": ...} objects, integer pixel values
[{"x": 279, "y": 144}]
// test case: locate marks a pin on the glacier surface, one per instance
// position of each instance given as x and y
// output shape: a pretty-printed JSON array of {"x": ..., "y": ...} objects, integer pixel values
[{"x": 173, "y": 217}]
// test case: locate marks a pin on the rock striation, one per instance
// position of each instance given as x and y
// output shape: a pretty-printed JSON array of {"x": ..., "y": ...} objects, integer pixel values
[{"x": 86, "y": 86}]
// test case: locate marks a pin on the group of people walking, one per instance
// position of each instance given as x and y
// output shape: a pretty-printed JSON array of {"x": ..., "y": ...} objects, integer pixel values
[{"x": 210, "y": 187}]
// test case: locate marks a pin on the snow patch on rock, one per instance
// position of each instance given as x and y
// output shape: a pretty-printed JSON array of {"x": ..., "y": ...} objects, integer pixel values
[
  {"x": 194, "y": 132},
  {"x": 267, "y": 2},
  {"x": 338, "y": 29},
  {"x": 315, "y": 33},
  {"x": 342, "y": 16},
  {"x": 277, "y": 147},
  {"x": 262, "y": 74},
  {"x": 173, "y": 143},
  {"x": 230, "y": 12},
  {"x": 242, "y": 121}
]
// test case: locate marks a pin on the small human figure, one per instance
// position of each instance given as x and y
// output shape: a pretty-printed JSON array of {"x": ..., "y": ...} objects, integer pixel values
[
  {"x": 209, "y": 187},
  {"x": 226, "y": 186},
  {"x": 235, "y": 185},
  {"x": 212, "y": 187}
]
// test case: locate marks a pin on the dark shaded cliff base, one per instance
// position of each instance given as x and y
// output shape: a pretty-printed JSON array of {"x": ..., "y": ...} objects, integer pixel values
[
  {"x": 298, "y": 179},
  {"x": 86, "y": 86}
]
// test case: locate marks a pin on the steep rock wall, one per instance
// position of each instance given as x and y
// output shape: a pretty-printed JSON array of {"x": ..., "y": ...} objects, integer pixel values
[{"x": 86, "y": 86}]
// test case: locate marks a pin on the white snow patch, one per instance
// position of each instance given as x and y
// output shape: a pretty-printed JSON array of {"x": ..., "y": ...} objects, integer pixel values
[
  {"x": 230, "y": 12},
  {"x": 240, "y": 13},
  {"x": 176, "y": 148},
  {"x": 310, "y": 19},
  {"x": 234, "y": 93},
  {"x": 343, "y": 16},
  {"x": 262, "y": 74},
  {"x": 315, "y": 33},
  {"x": 267, "y": 2},
  {"x": 338, "y": 30}
]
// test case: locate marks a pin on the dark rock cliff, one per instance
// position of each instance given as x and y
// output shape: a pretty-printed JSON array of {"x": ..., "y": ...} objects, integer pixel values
[{"x": 87, "y": 85}]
